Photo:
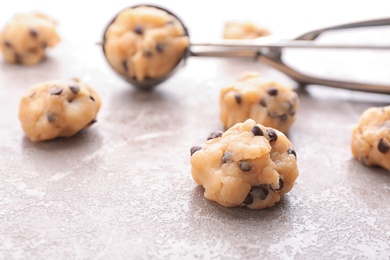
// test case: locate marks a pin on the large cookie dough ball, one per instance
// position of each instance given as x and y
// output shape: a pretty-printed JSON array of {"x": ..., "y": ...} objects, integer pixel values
[
  {"x": 26, "y": 37},
  {"x": 371, "y": 137},
  {"x": 248, "y": 165},
  {"x": 268, "y": 103},
  {"x": 243, "y": 30},
  {"x": 58, "y": 109},
  {"x": 145, "y": 42}
]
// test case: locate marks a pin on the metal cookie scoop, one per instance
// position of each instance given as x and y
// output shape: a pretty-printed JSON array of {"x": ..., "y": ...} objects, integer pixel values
[{"x": 269, "y": 51}]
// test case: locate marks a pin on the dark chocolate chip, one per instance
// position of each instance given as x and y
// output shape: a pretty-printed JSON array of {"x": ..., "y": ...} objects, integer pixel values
[
  {"x": 256, "y": 130},
  {"x": 44, "y": 45},
  {"x": 248, "y": 200},
  {"x": 244, "y": 166},
  {"x": 281, "y": 184},
  {"x": 383, "y": 146},
  {"x": 272, "y": 135},
  {"x": 18, "y": 58},
  {"x": 148, "y": 53},
  {"x": 238, "y": 98},
  {"x": 50, "y": 117},
  {"x": 74, "y": 88},
  {"x": 261, "y": 192},
  {"x": 194, "y": 149},
  {"x": 7, "y": 44},
  {"x": 93, "y": 121},
  {"x": 91, "y": 97},
  {"x": 283, "y": 117},
  {"x": 33, "y": 33},
  {"x": 124, "y": 65},
  {"x": 214, "y": 135},
  {"x": 139, "y": 30},
  {"x": 32, "y": 50},
  {"x": 263, "y": 103},
  {"x": 291, "y": 151},
  {"x": 56, "y": 91},
  {"x": 273, "y": 115},
  {"x": 227, "y": 156},
  {"x": 292, "y": 113},
  {"x": 272, "y": 92},
  {"x": 160, "y": 47}
]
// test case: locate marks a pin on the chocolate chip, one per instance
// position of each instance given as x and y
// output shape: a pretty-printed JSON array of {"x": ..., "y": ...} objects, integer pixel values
[
  {"x": 272, "y": 92},
  {"x": 261, "y": 192},
  {"x": 56, "y": 91},
  {"x": 272, "y": 135},
  {"x": 7, "y": 44},
  {"x": 248, "y": 200},
  {"x": 32, "y": 95},
  {"x": 148, "y": 53},
  {"x": 160, "y": 47},
  {"x": 44, "y": 45},
  {"x": 139, "y": 30},
  {"x": 383, "y": 146},
  {"x": 238, "y": 98},
  {"x": 256, "y": 130},
  {"x": 33, "y": 33},
  {"x": 214, "y": 135},
  {"x": 257, "y": 192},
  {"x": 283, "y": 117},
  {"x": 50, "y": 117},
  {"x": 124, "y": 65},
  {"x": 170, "y": 22},
  {"x": 263, "y": 103},
  {"x": 292, "y": 113},
  {"x": 194, "y": 149},
  {"x": 74, "y": 88},
  {"x": 281, "y": 184},
  {"x": 291, "y": 151},
  {"x": 18, "y": 58},
  {"x": 32, "y": 50},
  {"x": 91, "y": 97},
  {"x": 244, "y": 166},
  {"x": 93, "y": 121},
  {"x": 227, "y": 156}
]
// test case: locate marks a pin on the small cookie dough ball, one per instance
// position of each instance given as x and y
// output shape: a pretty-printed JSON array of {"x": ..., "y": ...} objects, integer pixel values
[
  {"x": 248, "y": 165},
  {"x": 58, "y": 108},
  {"x": 145, "y": 42},
  {"x": 371, "y": 137},
  {"x": 268, "y": 103},
  {"x": 26, "y": 37},
  {"x": 243, "y": 30}
]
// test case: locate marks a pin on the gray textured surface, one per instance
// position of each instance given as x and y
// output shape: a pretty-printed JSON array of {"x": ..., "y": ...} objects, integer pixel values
[{"x": 123, "y": 188}]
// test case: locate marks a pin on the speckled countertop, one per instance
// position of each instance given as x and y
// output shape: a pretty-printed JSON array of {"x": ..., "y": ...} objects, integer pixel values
[{"x": 123, "y": 189}]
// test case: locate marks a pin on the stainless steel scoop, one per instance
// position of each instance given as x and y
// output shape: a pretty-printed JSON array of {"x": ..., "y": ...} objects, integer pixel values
[{"x": 269, "y": 51}]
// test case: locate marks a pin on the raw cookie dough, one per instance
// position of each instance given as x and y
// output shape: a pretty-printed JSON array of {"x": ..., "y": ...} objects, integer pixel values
[
  {"x": 371, "y": 137},
  {"x": 248, "y": 165},
  {"x": 145, "y": 42},
  {"x": 243, "y": 30},
  {"x": 58, "y": 108},
  {"x": 25, "y": 39},
  {"x": 268, "y": 103}
]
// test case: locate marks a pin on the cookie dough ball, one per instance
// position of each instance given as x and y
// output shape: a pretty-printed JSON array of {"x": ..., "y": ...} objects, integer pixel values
[
  {"x": 243, "y": 30},
  {"x": 145, "y": 42},
  {"x": 26, "y": 37},
  {"x": 248, "y": 165},
  {"x": 371, "y": 137},
  {"x": 268, "y": 103},
  {"x": 58, "y": 109}
]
